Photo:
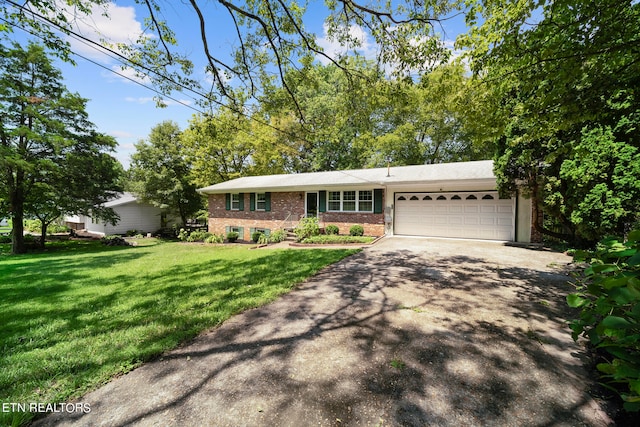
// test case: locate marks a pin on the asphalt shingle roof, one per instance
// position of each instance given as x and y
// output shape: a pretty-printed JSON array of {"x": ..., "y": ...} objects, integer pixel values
[{"x": 442, "y": 172}]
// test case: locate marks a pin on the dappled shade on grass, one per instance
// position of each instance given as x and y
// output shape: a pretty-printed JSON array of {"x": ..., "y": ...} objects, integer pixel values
[{"x": 75, "y": 317}]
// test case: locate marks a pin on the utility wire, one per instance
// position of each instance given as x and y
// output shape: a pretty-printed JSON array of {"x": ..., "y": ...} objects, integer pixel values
[
  {"x": 103, "y": 49},
  {"x": 112, "y": 70}
]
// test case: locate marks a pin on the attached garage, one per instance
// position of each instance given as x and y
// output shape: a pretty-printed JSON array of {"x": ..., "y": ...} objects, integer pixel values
[
  {"x": 457, "y": 200},
  {"x": 471, "y": 215}
]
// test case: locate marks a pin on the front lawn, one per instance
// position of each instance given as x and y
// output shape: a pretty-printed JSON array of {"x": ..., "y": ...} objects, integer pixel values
[{"x": 80, "y": 313}]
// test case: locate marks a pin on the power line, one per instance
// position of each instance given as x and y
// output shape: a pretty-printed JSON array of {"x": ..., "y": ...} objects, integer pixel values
[
  {"x": 125, "y": 60},
  {"x": 112, "y": 70}
]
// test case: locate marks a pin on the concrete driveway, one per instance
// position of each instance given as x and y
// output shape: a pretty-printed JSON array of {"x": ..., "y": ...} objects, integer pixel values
[{"x": 409, "y": 332}]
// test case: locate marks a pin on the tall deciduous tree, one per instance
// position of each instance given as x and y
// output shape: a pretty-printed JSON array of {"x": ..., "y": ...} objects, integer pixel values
[
  {"x": 44, "y": 134},
  {"x": 567, "y": 75},
  {"x": 430, "y": 121},
  {"x": 270, "y": 35},
  {"x": 161, "y": 175}
]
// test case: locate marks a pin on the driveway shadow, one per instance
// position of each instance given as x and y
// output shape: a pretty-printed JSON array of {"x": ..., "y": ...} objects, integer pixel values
[{"x": 403, "y": 337}]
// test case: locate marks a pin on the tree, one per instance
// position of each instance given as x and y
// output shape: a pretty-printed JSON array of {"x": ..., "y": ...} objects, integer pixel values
[
  {"x": 565, "y": 74},
  {"x": 161, "y": 175},
  {"x": 218, "y": 147},
  {"x": 337, "y": 110},
  {"x": 270, "y": 35},
  {"x": 44, "y": 134},
  {"x": 431, "y": 121}
]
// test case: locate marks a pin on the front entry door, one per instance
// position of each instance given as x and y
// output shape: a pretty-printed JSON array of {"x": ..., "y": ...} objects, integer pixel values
[{"x": 312, "y": 204}]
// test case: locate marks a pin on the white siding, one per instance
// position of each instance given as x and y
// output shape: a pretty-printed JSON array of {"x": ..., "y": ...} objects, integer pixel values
[{"x": 135, "y": 216}]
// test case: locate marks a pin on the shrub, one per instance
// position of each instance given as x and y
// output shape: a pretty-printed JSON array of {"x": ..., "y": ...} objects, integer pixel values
[
  {"x": 131, "y": 233},
  {"x": 183, "y": 235},
  {"x": 263, "y": 239},
  {"x": 277, "y": 236},
  {"x": 33, "y": 225},
  {"x": 214, "y": 238},
  {"x": 198, "y": 236},
  {"x": 608, "y": 296},
  {"x": 307, "y": 227},
  {"x": 114, "y": 241},
  {"x": 232, "y": 236},
  {"x": 356, "y": 230},
  {"x": 5, "y": 239},
  {"x": 331, "y": 229},
  {"x": 256, "y": 236}
]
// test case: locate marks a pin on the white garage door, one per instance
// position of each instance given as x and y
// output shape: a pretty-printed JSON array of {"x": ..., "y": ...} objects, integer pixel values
[{"x": 475, "y": 215}]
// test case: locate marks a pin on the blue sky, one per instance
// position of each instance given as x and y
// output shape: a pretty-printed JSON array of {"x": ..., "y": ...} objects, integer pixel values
[{"x": 127, "y": 111}]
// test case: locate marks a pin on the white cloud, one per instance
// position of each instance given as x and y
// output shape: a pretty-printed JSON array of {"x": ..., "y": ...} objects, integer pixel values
[
  {"x": 122, "y": 134},
  {"x": 118, "y": 26},
  {"x": 333, "y": 48},
  {"x": 127, "y": 75}
]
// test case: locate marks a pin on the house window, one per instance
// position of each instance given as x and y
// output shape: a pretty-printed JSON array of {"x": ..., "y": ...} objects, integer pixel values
[
  {"x": 334, "y": 200},
  {"x": 350, "y": 201},
  {"x": 261, "y": 201},
  {"x": 365, "y": 201},
  {"x": 235, "y": 202}
]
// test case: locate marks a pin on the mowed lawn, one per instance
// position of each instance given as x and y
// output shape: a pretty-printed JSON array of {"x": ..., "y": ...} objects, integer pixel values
[{"x": 80, "y": 313}]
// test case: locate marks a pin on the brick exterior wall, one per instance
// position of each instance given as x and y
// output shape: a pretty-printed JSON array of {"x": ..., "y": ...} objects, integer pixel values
[{"x": 281, "y": 205}]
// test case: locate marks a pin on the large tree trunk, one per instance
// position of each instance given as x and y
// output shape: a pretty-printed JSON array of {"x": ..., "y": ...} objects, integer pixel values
[{"x": 17, "y": 233}]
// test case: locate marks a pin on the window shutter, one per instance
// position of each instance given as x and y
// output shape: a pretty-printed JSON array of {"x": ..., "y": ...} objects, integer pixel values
[
  {"x": 227, "y": 230},
  {"x": 322, "y": 201},
  {"x": 241, "y": 204},
  {"x": 227, "y": 201},
  {"x": 252, "y": 201},
  {"x": 241, "y": 232},
  {"x": 377, "y": 200},
  {"x": 267, "y": 202}
]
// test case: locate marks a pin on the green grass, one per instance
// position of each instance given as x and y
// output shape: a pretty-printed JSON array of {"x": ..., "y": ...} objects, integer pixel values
[{"x": 81, "y": 313}]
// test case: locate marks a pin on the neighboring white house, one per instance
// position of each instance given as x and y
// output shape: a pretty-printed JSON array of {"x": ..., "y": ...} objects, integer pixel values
[{"x": 134, "y": 215}]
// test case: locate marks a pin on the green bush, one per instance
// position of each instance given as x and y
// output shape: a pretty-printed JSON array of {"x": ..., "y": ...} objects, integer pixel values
[
  {"x": 5, "y": 239},
  {"x": 255, "y": 237},
  {"x": 277, "y": 236},
  {"x": 263, "y": 239},
  {"x": 183, "y": 235},
  {"x": 134, "y": 232},
  {"x": 307, "y": 227},
  {"x": 215, "y": 238},
  {"x": 198, "y": 236},
  {"x": 114, "y": 241},
  {"x": 331, "y": 229},
  {"x": 33, "y": 225},
  {"x": 356, "y": 230},
  {"x": 232, "y": 236},
  {"x": 608, "y": 296}
]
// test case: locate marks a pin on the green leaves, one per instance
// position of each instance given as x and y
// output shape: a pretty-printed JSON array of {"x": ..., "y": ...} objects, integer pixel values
[{"x": 608, "y": 296}]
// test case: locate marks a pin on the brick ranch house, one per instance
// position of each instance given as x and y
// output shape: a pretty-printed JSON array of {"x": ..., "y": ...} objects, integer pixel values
[{"x": 457, "y": 200}]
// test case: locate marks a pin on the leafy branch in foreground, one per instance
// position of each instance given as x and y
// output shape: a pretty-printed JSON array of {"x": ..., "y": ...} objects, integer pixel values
[{"x": 608, "y": 295}]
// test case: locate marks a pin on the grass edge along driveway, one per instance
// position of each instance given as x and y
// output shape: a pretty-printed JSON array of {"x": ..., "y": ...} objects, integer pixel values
[{"x": 81, "y": 313}]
